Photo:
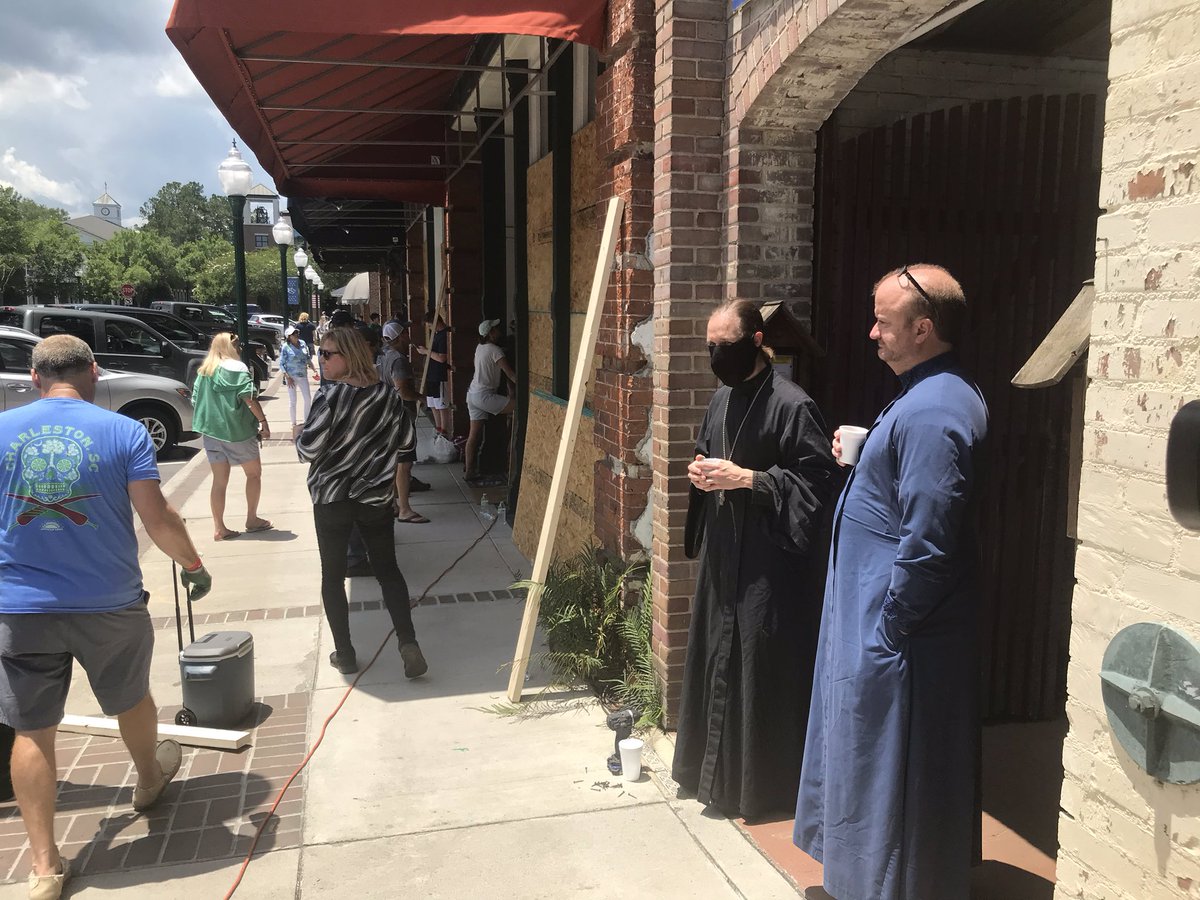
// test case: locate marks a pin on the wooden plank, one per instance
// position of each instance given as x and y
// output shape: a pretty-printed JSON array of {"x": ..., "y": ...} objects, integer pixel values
[
  {"x": 214, "y": 738},
  {"x": 1065, "y": 345},
  {"x": 566, "y": 446}
]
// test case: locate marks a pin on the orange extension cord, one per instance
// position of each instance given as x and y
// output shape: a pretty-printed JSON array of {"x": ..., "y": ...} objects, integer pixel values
[{"x": 325, "y": 725}]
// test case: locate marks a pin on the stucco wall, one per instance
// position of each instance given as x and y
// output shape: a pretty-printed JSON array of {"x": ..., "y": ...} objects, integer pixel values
[{"x": 1122, "y": 834}]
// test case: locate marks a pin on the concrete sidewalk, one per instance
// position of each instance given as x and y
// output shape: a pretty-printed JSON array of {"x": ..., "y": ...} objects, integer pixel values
[{"x": 417, "y": 787}]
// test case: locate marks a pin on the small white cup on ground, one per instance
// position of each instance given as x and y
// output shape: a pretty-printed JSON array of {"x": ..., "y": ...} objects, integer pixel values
[
  {"x": 631, "y": 759},
  {"x": 852, "y": 441}
]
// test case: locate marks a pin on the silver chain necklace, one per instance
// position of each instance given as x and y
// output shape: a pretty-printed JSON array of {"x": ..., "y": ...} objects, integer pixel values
[{"x": 726, "y": 451}]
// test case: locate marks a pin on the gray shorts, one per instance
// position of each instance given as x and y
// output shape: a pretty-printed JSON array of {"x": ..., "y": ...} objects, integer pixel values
[
  {"x": 483, "y": 404},
  {"x": 236, "y": 453},
  {"x": 36, "y": 649}
]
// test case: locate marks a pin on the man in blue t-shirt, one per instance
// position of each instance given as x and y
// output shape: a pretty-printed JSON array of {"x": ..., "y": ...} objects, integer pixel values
[{"x": 70, "y": 585}]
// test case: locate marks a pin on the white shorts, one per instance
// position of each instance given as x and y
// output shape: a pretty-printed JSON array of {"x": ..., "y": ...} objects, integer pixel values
[
  {"x": 438, "y": 400},
  {"x": 484, "y": 404}
]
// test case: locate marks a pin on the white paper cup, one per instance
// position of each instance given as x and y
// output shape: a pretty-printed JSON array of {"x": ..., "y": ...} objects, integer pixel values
[
  {"x": 631, "y": 759},
  {"x": 852, "y": 441}
]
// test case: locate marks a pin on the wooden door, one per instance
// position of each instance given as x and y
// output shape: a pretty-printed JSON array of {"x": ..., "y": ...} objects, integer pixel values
[{"x": 1003, "y": 194}]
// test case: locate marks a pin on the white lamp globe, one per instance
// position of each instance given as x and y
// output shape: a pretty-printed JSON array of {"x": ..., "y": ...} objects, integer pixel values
[
  {"x": 282, "y": 232},
  {"x": 234, "y": 173},
  {"x": 300, "y": 258}
]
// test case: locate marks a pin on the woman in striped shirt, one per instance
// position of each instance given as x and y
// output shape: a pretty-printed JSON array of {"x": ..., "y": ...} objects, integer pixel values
[{"x": 353, "y": 437}]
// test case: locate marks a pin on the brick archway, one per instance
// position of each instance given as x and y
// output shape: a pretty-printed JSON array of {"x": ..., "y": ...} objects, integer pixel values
[{"x": 792, "y": 63}]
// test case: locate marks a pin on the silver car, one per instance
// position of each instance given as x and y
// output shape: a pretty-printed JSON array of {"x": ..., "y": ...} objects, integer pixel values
[{"x": 161, "y": 404}]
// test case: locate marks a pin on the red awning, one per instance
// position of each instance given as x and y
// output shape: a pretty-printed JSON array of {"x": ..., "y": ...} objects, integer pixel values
[{"x": 355, "y": 99}]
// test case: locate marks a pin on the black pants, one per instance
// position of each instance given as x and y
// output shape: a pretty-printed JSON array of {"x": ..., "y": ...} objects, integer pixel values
[{"x": 334, "y": 522}]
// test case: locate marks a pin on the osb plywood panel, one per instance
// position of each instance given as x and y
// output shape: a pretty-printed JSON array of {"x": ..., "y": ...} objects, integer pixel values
[
  {"x": 539, "y": 231},
  {"x": 576, "y": 526},
  {"x": 541, "y": 349},
  {"x": 585, "y": 227}
]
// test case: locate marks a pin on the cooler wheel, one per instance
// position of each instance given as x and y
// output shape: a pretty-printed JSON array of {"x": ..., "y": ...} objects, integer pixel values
[{"x": 185, "y": 717}]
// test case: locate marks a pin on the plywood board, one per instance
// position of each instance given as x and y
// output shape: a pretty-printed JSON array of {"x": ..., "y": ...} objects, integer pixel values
[
  {"x": 566, "y": 447},
  {"x": 215, "y": 738}
]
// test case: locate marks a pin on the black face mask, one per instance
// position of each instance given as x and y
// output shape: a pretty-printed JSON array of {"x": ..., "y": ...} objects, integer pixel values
[{"x": 734, "y": 362}]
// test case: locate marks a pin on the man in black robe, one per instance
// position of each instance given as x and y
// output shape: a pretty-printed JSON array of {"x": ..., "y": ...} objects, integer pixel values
[{"x": 761, "y": 480}]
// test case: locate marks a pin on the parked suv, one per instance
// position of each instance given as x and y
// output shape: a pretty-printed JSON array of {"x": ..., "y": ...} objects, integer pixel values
[
  {"x": 162, "y": 405},
  {"x": 213, "y": 320},
  {"x": 120, "y": 343},
  {"x": 179, "y": 332}
]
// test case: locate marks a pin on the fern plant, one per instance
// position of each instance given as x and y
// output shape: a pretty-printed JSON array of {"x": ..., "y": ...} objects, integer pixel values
[
  {"x": 640, "y": 686},
  {"x": 593, "y": 636}
]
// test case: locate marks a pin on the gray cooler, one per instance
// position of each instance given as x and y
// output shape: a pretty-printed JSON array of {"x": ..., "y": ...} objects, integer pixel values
[{"x": 217, "y": 673}]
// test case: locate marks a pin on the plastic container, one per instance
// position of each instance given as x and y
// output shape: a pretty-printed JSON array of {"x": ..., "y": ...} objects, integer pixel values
[{"x": 217, "y": 673}]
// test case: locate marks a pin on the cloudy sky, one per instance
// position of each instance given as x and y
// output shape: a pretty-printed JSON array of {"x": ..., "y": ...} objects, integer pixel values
[{"x": 93, "y": 92}]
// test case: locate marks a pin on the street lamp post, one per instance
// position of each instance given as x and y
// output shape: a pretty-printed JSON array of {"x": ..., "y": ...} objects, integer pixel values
[
  {"x": 301, "y": 260},
  {"x": 310, "y": 289},
  {"x": 282, "y": 232},
  {"x": 234, "y": 174}
]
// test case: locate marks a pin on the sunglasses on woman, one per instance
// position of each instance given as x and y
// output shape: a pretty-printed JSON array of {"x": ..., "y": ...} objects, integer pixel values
[{"x": 327, "y": 354}]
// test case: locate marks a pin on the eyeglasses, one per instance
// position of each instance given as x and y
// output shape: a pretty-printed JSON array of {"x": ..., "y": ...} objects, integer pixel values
[
  {"x": 913, "y": 281},
  {"x": 327, "y": 354}
]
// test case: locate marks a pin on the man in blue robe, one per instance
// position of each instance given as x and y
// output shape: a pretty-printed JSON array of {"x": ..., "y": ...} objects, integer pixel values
[{"x": 888, "y": 790}]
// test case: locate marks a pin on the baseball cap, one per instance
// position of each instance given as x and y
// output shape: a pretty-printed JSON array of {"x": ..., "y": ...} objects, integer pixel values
[
  {"x": 341, "y": 317},
  {"x": 393, "y": 330},
  {"x": 289, "y": 331},
  {"x": 487, "y": 325}
]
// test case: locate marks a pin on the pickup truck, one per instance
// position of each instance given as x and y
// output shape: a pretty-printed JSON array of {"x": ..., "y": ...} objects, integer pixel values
[{"x": 120, "y": 343}]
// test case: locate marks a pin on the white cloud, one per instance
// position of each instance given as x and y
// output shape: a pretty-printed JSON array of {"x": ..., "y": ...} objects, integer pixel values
[
  {"x": 33, "y": 87},
  {"x": 28, "y": 179},
  {"x": 176, "y": 80}
]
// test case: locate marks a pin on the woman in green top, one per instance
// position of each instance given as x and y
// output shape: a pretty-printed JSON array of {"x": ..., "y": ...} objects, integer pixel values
[{"x": 228, "y": 415}]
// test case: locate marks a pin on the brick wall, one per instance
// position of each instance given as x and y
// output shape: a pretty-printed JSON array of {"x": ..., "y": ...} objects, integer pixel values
[
  {"x": 624, "y": 387},
  {"x": 464, "y": 273},
  {"x": 793, "y": 61},
  {"x": 688, "y": 256},
  {"x": 1122, "y": 834}
]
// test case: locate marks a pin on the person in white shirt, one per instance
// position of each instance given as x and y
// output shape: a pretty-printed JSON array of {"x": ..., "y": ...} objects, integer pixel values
[{"x": 483, "y": 396}]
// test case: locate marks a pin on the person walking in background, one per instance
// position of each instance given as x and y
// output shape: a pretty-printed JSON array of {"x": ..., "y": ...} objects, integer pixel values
[
  {"x": 396, "y": 370},
  {"x": 760, "y": 485},
  {"x": 230, "y": 419},
  {"x": 307, "y": 332},
  {"x": 483, "y": 396},
  {"x": 296, "y": 362},
  {"x": 888, "y": 798},
  {"x": 72, "y": 587},
  {"x": 322, "y": 327},
  {"x": 436, "y": 374},
  {"x": 354, "y": 439}
]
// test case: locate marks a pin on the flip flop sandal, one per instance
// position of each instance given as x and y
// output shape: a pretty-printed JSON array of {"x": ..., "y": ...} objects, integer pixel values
[
  {"x": 229, "y": 536},
  {"x": 264, "y": 527},
  {"x": 414, "y": 519}
]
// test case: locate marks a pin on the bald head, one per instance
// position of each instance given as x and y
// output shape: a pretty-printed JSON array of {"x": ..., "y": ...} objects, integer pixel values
[{"x": 931, "y": 292}]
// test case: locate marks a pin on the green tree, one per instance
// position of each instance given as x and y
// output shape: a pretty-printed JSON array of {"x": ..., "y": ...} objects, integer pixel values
[
  {"x": 263, "y": 284},
  {"x": 181, "y": 213},
  {"x": 146, "y": 260},
  {"x": 55, "y": 257},
  {"x": 14, "y": 237}
]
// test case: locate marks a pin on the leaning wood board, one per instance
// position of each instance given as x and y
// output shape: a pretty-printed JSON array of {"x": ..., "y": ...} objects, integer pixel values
[
  {"x": 566, "y": 446},
  {"x": 216, "y": 738}
]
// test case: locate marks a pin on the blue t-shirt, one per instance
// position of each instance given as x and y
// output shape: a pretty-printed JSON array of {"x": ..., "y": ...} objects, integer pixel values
[{"x": 67, "y": 543}]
